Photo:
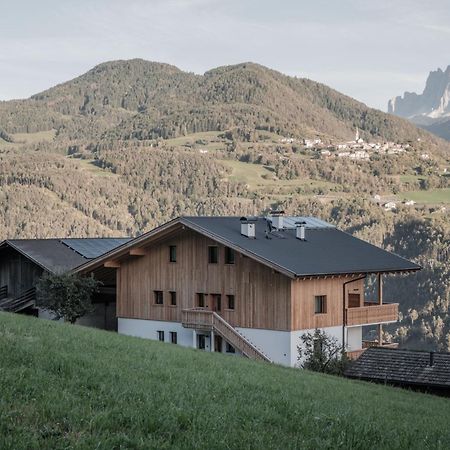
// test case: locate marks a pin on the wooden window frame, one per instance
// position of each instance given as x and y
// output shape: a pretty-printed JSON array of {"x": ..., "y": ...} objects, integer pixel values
[
  {"x": 173, "y": 337},
  {"x": 210, "y": 247},
  {"x": 161, "y": 337},
  {"x": 173, "y": 295},
  {"x": 201, "y": 295},
  {"x": 323, "y": 304},
  {"x": 230, "y": 252},
  {"x": 172, "y": 256},
  {"x": 156, "y": 294},
  {"x": 233, "y": 298}
]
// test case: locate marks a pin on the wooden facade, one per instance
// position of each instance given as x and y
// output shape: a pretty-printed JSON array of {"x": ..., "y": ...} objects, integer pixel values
[
  {"x": 17, "y": 272},
  {"x": 263, "y": 297}
]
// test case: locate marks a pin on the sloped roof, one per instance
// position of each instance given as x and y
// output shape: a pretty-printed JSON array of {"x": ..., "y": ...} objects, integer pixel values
[
  {"x": 402, "y": 367},
  {"x": 326, "y": 250},
  {"x": 56, "y": 255}
]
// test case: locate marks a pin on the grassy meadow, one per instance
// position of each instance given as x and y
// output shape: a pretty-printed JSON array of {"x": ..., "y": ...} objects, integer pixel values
[{"x": 64, "y": 386}]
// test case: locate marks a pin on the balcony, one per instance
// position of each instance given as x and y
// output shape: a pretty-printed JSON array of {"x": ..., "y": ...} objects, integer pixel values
[
  {"x": 355, "y": 354},
  {"x": 371, "y": 313}
]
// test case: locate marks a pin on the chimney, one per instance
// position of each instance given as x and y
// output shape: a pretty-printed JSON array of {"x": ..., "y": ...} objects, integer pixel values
[
  {"x": 431, "y": 359},
  {"x": 248, "y": 227},
  {"x": 300, "y": 231},
  {"x": 277, "y": 219}
]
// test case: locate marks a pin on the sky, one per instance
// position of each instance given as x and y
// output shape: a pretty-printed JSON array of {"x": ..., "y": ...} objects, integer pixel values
[{"x": 371, "y": 50}]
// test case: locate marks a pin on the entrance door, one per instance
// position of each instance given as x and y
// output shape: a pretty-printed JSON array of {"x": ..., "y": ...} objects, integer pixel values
[
  {"x": 217, "y": 343},
  {"x": 216, "y": 303},
  {"x": 354, "y": 300}
]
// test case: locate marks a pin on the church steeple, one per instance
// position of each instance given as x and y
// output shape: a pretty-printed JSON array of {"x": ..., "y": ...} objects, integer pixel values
[{"x": 357, "y": 135}]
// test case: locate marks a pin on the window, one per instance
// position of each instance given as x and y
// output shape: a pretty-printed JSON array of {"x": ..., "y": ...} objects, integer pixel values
[
  {"x": 173, "y": 253},
  {"x": 217, "y": 302},
  {"x": 159, "y": 300},
  {"x": 213, "y": 254},
  {"x": 320, "y": 304},
  {"x": 201, "y": 300},
  {"x": 229, "y": 348},
  {"x": 230, "y": 299},
  {"x": 160, "y": 336},
  {"x": 173, "y": 337},
  {"x": 201, "y": 341},
  {"x": 229, "y": 255},
  {"x": 173, "y": 298}
]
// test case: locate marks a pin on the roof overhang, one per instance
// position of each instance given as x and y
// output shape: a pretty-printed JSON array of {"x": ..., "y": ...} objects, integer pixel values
[
  {"x": 112, "y": 258},
  {"x": 7, "y": 243}
]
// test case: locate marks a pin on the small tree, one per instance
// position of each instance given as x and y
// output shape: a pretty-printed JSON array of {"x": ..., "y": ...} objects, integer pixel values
[
  {"x": 321, "y": 353},
  {"x": 68, "y": 296}
]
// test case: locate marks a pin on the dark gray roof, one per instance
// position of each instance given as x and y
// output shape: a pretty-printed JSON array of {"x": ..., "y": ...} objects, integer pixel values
[
  {"x": 94, "y": 247},
  {"x": 326, "y": 250},
  {"x": 402, "y": 367},
  {"x": 56, "y": 255}
]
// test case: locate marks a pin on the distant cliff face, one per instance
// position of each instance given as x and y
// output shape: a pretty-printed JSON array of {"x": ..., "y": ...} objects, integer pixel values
[
  {"x": 431, "y": 109},
  {"x": 433, "y": 103}
]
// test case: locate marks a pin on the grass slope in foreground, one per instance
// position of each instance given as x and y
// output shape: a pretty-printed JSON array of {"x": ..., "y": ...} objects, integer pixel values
[{"x": 64, "y": 386}]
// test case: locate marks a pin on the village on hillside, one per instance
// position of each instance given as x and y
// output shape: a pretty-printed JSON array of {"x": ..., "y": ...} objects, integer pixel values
[{"x": 356, "y": 149}]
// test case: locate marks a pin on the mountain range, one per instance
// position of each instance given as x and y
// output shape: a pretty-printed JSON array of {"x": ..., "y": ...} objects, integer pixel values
[
  {"x": 138, "y": 99},
  {"x": 431, "y": 109}
]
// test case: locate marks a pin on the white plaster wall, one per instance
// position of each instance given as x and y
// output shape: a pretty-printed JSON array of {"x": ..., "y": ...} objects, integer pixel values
[
  {"x": 296, "y": 340},
  {"x": 149, "y": 329},
  {"x": 275, "y": 344},
  {"x": 354, "y": 338}
]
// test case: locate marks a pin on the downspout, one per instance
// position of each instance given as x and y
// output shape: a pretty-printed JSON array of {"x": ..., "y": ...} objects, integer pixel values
[{"x": 343, "y": 308}]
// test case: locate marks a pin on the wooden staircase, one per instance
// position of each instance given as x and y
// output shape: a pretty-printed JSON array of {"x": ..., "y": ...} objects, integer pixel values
[
  {"x": 25, "y": 300},
  {"x": 205, "y": 320}
]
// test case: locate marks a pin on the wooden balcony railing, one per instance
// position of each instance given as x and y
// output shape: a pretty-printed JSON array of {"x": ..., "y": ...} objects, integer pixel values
[
  {"x": 373, "y": 314},
  {"x": 203, "y": 319},
  {"x": 25, "y": 300},
  {"x": 355, "y": 354}
]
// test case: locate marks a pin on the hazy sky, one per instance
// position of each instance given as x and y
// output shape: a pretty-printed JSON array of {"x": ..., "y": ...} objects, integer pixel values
[{"x": 369, "y": 49}]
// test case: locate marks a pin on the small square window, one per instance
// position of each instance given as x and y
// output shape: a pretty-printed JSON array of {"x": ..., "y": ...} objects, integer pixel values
[
  {"x": 229, "y": 348},
  {"x": 213, "y": 254},
  {"x": 230, "y": 299},
  {"x": 320, "y": 304},
  {"x": 159, "y": 299},
  {"x": 173, "y": 298},
  {"x": 160, "y": 336},
  {"x": 173, "y": 253},
  {"x": 201, "y": 300},
  {"x": 229, "y": 255},
  {"x": 173, "y": 337}
]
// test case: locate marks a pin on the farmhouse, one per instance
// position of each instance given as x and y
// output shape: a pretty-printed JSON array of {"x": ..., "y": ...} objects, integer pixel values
[
  {"x": 23, "y": 261},
  {"x": 248, "y": 285}
]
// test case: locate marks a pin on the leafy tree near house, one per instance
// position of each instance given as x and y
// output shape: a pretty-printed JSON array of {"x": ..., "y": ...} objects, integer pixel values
[
  {"x": 321, "y": 353},
  {"x": 68, "y": 296}
]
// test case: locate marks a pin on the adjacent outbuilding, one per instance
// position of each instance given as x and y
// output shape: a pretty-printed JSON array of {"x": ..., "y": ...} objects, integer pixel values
[{"x": 427, "y": 371}]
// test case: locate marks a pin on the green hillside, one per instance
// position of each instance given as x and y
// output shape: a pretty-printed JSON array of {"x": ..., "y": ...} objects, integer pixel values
[
  {"x": 137, "y": 99},
  {"x": 65, "y": 386}
]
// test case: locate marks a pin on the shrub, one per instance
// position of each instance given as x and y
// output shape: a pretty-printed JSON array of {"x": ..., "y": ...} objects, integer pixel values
[
  {"x": 65, "y": 295},
  {"x": 321, "y": 353}
]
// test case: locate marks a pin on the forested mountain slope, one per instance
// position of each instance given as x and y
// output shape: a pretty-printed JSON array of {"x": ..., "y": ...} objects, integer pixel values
[{"x": 141, "y": 99}]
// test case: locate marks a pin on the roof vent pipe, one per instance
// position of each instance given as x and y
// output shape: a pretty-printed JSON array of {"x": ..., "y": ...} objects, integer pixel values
[
  {"x": 431, "y": 359},
  {"x": 300, "y": 231},
  {"x": 277, "y": 219},
  {"x": 248, "y": 227}
]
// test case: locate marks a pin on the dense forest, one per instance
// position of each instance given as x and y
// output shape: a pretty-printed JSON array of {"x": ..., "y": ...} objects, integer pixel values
[{"x": 132, "y": 144}]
